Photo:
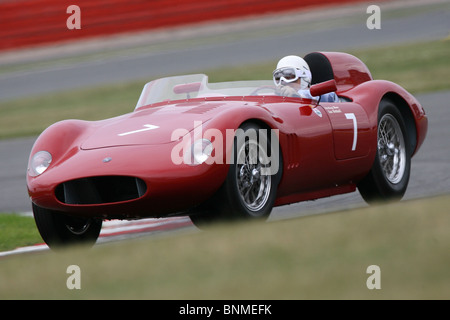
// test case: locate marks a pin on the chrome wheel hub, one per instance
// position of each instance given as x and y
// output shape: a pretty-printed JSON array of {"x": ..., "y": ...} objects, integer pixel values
[
  {"x": 391, "y": 149},
  {"x": 253, "y": 187}
]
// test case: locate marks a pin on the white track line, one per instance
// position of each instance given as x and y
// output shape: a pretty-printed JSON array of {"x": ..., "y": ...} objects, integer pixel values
[{"x": 113, "y": 228}]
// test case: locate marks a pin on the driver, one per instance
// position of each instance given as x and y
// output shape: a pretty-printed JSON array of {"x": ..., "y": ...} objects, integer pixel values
[{"x": 293, "y": 79}]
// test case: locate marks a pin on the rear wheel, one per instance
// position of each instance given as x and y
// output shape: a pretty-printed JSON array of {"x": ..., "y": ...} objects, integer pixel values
[
  {"x": 58, "y": 229},
  {"x": 249, "y": 191},
  {"x": 389, "y": 176}
]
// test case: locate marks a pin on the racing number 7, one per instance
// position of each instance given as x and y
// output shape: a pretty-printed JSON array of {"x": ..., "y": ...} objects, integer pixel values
[{"x": 351, "y": 116}]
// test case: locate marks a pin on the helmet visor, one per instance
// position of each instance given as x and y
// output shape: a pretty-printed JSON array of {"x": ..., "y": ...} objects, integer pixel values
[{"x": 286, "y": 74}]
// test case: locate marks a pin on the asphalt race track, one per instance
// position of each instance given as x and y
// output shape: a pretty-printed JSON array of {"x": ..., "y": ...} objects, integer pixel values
[
  {"x": 261, "y": 41},
  {"x": 184, "y": 50}
]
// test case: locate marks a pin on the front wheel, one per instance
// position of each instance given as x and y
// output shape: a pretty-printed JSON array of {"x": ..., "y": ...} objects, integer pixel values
[
  {"x": 389, "y": 176},
  {"x": 58, "y": 229},
  {"x": 250, "y": 189}
]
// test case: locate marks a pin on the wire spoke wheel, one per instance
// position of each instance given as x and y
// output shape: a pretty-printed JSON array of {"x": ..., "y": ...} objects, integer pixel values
[
  {"x": 253, "y": 187},
  {"x": 77, "y": 226},
  {"x": 250, "y": 188},
  {"x": 389, "y": 175},
  {"x": 391, "y": 149},
  {"x": 58, "y": 229}
]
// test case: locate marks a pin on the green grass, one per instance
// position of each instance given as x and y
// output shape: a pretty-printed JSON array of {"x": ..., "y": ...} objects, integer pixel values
[
  {"x": 316, "y": 257},
  {"x": 17, "y": 230},
  {"x": 418, "y": 67}
]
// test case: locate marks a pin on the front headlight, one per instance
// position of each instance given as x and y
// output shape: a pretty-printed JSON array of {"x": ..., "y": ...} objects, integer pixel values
[{"x": 39, "y": 163}]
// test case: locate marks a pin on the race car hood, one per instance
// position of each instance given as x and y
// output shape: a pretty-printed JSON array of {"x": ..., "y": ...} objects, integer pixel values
[{"x": 150, "y": 126}]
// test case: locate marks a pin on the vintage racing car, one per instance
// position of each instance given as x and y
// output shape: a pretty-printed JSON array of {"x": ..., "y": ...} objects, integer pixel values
[{"x": 228, "y": 150}]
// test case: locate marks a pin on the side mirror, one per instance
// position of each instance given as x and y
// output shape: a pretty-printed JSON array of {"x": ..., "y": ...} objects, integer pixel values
[{"x": 321, "y": 88}]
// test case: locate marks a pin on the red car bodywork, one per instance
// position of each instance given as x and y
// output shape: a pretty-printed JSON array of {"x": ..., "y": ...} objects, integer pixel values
[{"x": 324, "y": 150}]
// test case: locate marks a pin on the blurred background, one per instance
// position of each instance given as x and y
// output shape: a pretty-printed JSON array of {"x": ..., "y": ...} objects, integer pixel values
[{"x": 37, "y": 22}]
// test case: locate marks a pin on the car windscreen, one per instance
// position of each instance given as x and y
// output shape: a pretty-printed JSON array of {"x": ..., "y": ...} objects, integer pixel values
[{"x": 197, "y": 86}]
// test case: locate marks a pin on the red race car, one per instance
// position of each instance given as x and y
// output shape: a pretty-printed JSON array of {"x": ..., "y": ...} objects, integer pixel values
[{"x": 228, "y": 150}]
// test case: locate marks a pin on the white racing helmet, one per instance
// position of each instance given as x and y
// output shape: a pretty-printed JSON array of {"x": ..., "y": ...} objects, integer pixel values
[{"x": 290, "y": 69}]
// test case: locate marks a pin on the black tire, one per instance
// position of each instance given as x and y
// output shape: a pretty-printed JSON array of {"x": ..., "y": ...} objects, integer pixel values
[
  {"x": 389, "y": 176},
  {"x": 58, "y": 229},
  {"x": 250, "y": 189}
]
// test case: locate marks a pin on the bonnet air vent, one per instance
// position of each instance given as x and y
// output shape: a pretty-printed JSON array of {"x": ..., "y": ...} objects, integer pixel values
[{"x": 203, "y": 108}]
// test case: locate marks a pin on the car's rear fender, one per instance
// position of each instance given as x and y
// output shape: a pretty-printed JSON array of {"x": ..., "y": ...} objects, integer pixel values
[{"x": 369, "y": 95}]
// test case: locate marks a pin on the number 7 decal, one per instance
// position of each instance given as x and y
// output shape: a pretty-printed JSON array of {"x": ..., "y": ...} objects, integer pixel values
[{"x": 351, "y": 116}]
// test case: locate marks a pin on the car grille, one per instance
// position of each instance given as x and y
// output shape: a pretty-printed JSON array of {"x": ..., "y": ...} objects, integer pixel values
[{"x": 100, "y": 190}]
